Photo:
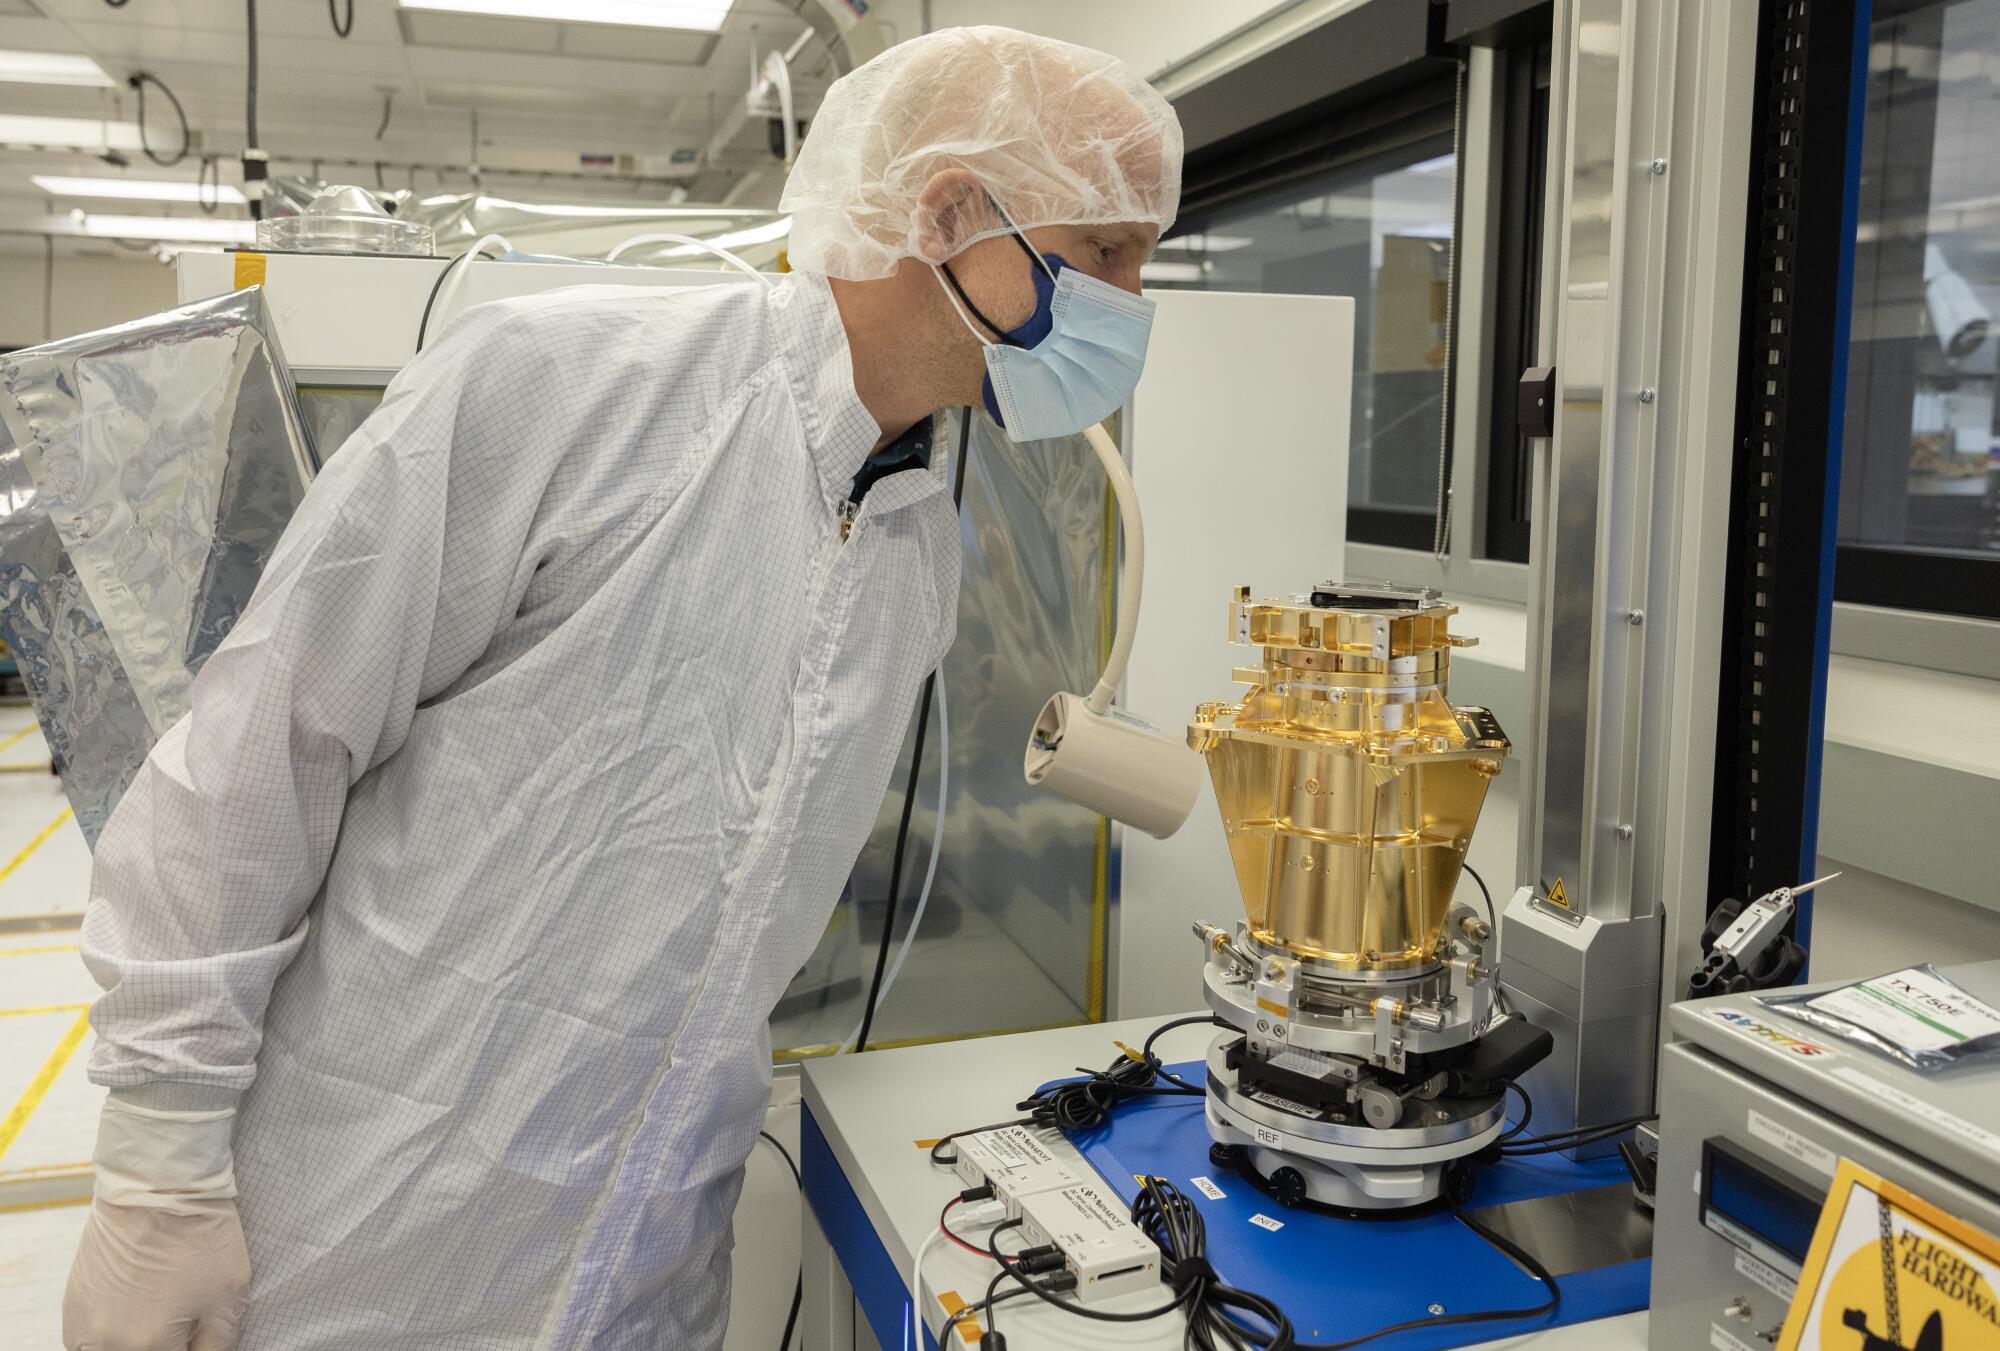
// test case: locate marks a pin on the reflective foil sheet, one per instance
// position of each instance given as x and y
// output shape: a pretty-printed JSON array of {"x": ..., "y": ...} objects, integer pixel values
[
  {"x": 566, "y": 229},
  {"x": 149, "y": 470}
]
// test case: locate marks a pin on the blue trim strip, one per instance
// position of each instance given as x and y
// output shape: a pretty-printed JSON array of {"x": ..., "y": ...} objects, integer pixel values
[
  {"x": 878, "y": 1285},
  {"x": 1850, "y": 211}
]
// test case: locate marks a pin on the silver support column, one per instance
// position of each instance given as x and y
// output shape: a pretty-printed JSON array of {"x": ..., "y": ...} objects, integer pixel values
[{"x": 1631, "y": 510}]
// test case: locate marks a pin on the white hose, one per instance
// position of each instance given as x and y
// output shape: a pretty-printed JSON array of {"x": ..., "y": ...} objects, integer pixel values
[
  {"x": 1133, "y": 573},
  {"x": 913, "y": 1335},
  {"x": 780, "y": 72},
  {"x": 702, "y": 244},
  {"x": 930, "y": 872},
  {"x": 442, "y": 305}
]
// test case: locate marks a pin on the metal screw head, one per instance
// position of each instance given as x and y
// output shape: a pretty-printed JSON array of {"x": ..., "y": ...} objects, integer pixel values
[
  {"x": 1658, "y": 166},
  {"x": 1635, "y": 616},
  {"x": 1624, "y": 832},
  {"x": 1278, "y": 1030},
  {"x": 1435, "y": 1309},
  {"x": 1263, "y": 1024},
  {"x": 1646, "y": 394}
]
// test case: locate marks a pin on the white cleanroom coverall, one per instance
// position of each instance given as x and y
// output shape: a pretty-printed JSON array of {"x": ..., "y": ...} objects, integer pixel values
[{"x": 509, "y": 808}]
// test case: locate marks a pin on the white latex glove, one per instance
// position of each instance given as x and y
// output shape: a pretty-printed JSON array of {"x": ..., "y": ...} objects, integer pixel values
[
  {"x": 149, "y": 1279},
  {"x": 162, "y": 1265}
]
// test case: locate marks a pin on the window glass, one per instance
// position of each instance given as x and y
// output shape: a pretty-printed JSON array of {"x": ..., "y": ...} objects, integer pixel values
[
  {"x": 1380, "y": 233},
  {"x": 1921, "y": 467}
]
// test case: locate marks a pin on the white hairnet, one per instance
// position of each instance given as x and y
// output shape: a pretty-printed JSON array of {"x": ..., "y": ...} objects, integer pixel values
[{"x": 1058, "y": 135}]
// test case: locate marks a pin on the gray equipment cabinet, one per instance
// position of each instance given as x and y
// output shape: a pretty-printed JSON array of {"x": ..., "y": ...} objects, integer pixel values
[{"x": 1756, "y": 1111}]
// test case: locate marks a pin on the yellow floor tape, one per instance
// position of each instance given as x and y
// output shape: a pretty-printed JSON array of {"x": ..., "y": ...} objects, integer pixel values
[
  {"x": 34, "y": 844},
  {"x": 19, "y": 736},
  {"x": 46, "y": 1008},
  {"x": 30, "y": 1100},
  {"x": 29, "y": 952}
]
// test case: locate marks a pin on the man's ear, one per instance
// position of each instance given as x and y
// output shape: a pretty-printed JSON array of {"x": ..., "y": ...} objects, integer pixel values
[{"x": 950, "y": 210}]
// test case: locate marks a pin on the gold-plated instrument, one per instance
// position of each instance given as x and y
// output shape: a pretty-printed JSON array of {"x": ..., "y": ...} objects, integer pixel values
[{"x": 1348, "y": 783}]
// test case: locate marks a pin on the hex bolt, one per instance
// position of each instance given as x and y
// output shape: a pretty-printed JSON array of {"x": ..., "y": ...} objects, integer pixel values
[
  {"x": 1635, "y": 616},
  {"x": 1624, "y": 832},
  {"x": 1646, "y": 394},
  {"x": 1658, "y": 166}
]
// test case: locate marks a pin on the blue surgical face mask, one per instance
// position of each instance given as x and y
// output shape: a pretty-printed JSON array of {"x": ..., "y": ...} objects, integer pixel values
[{"x": 1076, "y": 359}]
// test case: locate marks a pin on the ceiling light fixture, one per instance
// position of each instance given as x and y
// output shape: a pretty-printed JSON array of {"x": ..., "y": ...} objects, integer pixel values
[
  {"x": 69, "y": 133},
  {"x": 1172, "y": 272},
  {"x": 18, "y": 67},
  {"x": 136, "y": 189},
  {"x": 700, "y": 16},
  {"x": 169, "y": 228},
  {"x": 1200, "y": 243}
]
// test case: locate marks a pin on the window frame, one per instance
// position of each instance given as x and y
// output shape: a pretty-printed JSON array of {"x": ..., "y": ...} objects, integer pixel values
[
  {"x": 1898, "y": 577},
  {"x": 1483, "y": 393},
  {"x": 1380, "y": 96}
]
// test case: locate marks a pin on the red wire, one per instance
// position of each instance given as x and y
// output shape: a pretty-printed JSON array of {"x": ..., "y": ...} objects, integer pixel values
[{"x": 945, "y": 1229}]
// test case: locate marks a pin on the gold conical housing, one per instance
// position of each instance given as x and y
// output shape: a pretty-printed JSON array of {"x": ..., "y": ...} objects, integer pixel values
[{"x": 1348, "y": 783}]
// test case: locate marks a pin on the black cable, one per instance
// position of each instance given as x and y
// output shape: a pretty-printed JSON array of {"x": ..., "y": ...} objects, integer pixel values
[
  {"x": 138, "y": 82},
  {"x": 1527, "y": 1111},
  {"x": 1176, "y": 1227},
  {"x": 1161, "y": 1031},
  {"x": 423, "y": 324},
  {"x": 1491, "y": 921},
  {"x": 1575, "y": 1137},
  {"x": 208, "y": 176},
  {"x": 333, "y": 14},
  {"x": 48, "y": 288},
  {"x": 256, "y": 164},
  {"x": 1084, "y": 1104},
  {"x": 973, "y": 1308},
  {"x": 798, "y": 1286},
  {"x": 944, "y": 1140},
  {"x": 1521, "y": 1255},
  {"x": 784, "y": 1154},
  {"x": 250, "y": 74},
  {"x": 909, "y": 789},
  {"x": 1007, "y": 1268}
]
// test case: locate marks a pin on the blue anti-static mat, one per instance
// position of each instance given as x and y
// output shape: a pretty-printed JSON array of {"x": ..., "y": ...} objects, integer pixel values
[{"x": 1337, "y": 1278}]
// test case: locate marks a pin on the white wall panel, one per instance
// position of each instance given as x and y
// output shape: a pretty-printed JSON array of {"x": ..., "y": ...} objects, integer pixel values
[{"x": 1239, "y": 449}]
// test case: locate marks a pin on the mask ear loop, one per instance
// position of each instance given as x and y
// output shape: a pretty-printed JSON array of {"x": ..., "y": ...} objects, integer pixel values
[
  {"x": 955, "y": 296},
  {"x": 1021, "y": 238}
]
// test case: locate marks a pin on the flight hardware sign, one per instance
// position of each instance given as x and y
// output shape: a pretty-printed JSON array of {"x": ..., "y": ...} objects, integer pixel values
[{"x": 1888, "y": 1271}]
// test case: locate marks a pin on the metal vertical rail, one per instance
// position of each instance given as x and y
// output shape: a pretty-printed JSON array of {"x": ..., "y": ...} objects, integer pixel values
[{"x": 1790, "y": 403}]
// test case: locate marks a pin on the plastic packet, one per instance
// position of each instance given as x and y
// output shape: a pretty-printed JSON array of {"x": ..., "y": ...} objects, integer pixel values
[{"x": 1916, "y": 1016}]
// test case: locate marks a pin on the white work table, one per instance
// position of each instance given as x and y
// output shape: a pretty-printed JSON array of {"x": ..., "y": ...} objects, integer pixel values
[{"x": 862, "y": 1117}]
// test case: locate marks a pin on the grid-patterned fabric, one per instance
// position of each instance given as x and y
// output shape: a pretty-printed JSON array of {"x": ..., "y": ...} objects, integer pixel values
[{"x": 504, "y": 816}]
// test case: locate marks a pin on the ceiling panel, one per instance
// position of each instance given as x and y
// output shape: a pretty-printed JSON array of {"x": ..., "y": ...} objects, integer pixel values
[
  {"x": 469, "y": 30},
  {"x": 544, "y": 92},
  {"x": 374, "y": 18},
  {"x": 596, "y": 40}
]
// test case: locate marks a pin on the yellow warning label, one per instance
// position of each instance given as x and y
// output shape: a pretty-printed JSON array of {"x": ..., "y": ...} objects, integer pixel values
[
  {"x": 249, "y": 270},
  {"x": 1559, "y": 894}
]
